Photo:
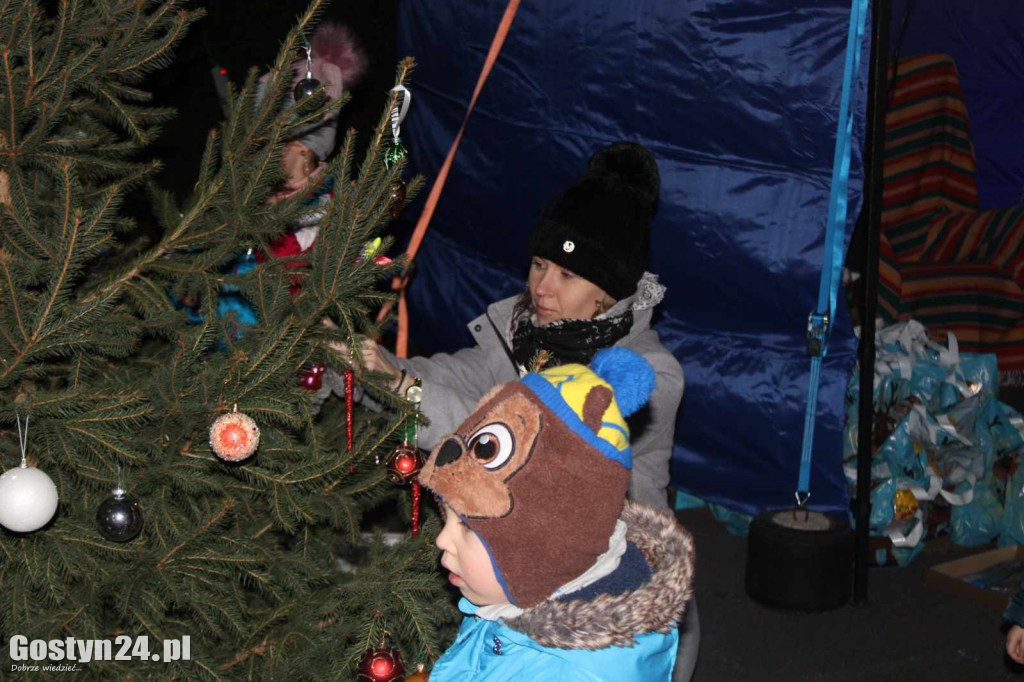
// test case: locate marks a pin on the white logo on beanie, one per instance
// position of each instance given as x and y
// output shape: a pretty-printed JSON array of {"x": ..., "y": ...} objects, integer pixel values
[{"x": 568, "y": 246}]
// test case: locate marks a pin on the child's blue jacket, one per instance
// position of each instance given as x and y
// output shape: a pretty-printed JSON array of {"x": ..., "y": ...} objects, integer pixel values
[{"x": 610, "y": 631}]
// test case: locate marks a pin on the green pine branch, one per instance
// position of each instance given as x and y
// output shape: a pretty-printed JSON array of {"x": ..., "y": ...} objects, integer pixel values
[{"x": 121, "y": 383}]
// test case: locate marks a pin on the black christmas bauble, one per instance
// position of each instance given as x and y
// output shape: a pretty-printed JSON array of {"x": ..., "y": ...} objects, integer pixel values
[
  {"x": 119, "y": 518},
  {"x": 305, "y": 88}
]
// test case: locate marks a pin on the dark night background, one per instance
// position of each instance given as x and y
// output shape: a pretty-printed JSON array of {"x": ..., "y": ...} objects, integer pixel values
[{"x": 240, "y": 34}]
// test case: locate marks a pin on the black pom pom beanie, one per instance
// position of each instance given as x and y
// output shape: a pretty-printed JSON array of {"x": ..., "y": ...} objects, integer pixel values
[{"x": 600, "y": 226}]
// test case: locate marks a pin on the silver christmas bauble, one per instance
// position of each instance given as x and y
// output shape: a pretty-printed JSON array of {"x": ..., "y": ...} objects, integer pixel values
[
  {"x": 119, "y": 518},
  {"x": 305, "y": 88}
]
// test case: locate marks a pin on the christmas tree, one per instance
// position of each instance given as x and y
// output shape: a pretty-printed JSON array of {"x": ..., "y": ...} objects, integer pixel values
[{"x": 120, "y": 386}]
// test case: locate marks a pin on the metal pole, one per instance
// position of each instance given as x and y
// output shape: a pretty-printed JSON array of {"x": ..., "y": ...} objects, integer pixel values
[{"x": 873, "y": 154}]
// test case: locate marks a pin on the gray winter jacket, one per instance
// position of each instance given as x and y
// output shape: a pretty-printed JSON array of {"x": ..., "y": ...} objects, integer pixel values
[{"x": 454, "y": 383}]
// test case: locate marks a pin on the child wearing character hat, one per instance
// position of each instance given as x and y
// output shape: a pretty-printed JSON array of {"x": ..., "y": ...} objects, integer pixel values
[{"x": 561, "y": 577}]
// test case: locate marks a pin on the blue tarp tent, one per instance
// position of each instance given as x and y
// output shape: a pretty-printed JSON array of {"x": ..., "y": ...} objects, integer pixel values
[{"x": 738, "y": 100}]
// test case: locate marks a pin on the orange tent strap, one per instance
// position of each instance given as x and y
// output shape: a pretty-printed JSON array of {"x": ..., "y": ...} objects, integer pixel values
[{"x": 399, "y": 283}]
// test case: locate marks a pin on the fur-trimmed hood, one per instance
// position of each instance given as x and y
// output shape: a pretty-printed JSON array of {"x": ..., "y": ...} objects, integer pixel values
[
  {"x": 626, "y": 635},
  {"x": 615, "y": 620}
]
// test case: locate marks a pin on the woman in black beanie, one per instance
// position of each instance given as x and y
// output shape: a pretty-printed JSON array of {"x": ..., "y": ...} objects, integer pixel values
[
  {"x": 591, "y": 243},
  {"x": 586, "y": 290}
]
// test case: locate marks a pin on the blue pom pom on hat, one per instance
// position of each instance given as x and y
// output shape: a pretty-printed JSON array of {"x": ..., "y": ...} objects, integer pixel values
[{"x": 630, "y": 376}]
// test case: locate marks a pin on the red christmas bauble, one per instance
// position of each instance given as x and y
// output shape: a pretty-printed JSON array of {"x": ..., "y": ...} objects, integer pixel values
[
  {"x": 313, "y": 378},
  {"x": 382, "y": 664},
  {"x": 404, "y": 464},
  {"x": 234, "y": 436}
]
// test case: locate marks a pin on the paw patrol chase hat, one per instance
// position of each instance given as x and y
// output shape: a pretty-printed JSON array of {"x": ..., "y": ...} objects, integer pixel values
[{"x": 540, "y": 469}]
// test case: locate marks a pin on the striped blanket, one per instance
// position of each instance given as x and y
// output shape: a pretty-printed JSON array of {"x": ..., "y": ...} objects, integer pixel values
[{"x": 944, "y": 261}]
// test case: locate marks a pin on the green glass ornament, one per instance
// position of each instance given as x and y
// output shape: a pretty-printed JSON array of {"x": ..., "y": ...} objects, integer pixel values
[{"x": 393, "y": 154}]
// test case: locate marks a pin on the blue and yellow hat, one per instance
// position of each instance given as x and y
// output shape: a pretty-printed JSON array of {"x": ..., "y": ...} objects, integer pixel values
[
  {"x": 564, "y": 389},
  {"x": 540, "y": 470}
]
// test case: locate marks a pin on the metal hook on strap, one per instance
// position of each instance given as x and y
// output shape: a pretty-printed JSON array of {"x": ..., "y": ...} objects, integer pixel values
[{"x": 817, "y": 333}]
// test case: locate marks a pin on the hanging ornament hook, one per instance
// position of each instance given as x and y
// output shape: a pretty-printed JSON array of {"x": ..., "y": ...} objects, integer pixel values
[
  {"x": 119, "y": 490},
  {"x": 308, "y": 85},
  {"x": 22, "y": 439},
  {"x": 399, "y": 111},
  {"x": 309, "y": 60},
  {"x": 396, "y": 151}
]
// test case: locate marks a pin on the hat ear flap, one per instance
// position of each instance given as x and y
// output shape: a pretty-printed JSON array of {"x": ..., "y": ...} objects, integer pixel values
[{"x": 596, "y": 404}]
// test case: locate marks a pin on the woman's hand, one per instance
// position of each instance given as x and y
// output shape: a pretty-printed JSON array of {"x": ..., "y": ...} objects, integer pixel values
[{"x": 373, "y": 357}]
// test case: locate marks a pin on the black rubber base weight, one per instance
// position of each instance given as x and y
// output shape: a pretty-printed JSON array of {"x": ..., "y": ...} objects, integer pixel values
[{"x": 797, "y": 569}]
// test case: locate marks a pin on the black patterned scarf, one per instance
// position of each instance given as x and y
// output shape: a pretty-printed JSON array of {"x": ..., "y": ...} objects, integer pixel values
[{"x": 565, "y": 341}]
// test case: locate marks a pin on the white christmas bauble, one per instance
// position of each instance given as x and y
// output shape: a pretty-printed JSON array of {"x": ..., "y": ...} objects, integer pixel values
[{"x": 28, "y": 499}]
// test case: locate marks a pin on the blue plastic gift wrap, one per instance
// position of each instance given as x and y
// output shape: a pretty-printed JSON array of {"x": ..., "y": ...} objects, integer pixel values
[
  {"x": 946, "y": 453},
  {"x": 738, "y": 102}
]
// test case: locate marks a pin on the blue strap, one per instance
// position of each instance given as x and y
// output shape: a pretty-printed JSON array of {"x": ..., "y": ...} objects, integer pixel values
[
  {"x": 820, "y": 321},
  {"x": 802, "y": 492}
]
